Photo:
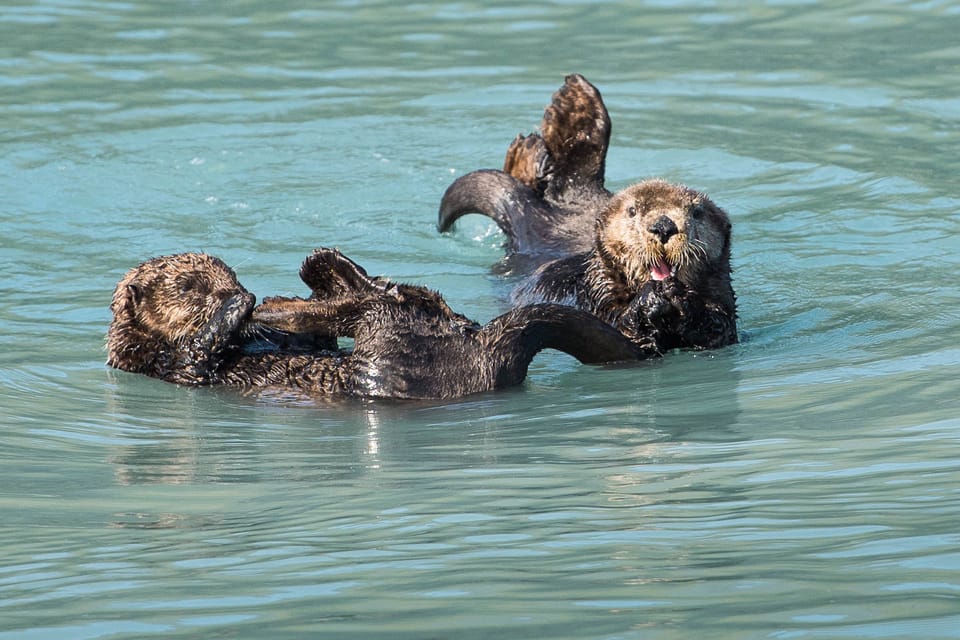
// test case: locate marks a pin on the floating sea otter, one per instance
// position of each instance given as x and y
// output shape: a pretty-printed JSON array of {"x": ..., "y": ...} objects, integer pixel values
[
  {"x": 659, "y": 270},
  {"x": 653, "y": 259},
  {"x": 187, "y": 319}
]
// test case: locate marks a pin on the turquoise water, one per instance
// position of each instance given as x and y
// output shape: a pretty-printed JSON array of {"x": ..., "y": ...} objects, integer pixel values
[{"x": 803, "y": 484}]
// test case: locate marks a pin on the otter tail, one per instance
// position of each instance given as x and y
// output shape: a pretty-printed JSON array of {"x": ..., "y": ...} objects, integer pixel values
[
  {"x": 517, "y": 209},
  {"x": 578, "y": 333}
]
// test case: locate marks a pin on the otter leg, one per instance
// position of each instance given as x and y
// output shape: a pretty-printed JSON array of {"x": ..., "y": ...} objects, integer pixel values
[{"x": 331, "y": 317}]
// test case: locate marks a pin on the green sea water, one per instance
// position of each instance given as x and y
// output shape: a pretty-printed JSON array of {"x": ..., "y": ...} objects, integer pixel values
[{"x": 802, "y": 484}]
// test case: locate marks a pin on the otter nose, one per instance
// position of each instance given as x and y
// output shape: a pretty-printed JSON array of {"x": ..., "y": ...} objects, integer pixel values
[{"x": 663, "y": 227}]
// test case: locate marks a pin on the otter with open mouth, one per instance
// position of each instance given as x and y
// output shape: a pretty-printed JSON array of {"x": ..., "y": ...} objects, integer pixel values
[
  {"x": 659, "y": 270},
  {"x": 652, "y": 259},
  {"x": 187, "y": 319}
]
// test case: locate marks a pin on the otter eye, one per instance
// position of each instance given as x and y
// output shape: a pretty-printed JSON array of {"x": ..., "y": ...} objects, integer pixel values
[
  {"x": 697, "y": 212},
  {"x": 632, "y": 212},
  {"x": 190, "y": 285}
]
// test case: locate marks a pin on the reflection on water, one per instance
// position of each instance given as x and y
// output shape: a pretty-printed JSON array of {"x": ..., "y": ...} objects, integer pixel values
[
  {"x": 801, "y": 484},
  {"x": 197, "y": 444}
]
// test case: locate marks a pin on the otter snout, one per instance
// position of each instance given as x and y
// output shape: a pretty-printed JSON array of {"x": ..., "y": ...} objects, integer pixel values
[{"x": 664, "y": 228}]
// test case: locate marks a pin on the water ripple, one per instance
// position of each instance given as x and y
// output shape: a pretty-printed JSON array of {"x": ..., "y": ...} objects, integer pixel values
[{"x": 800, "y": 484}]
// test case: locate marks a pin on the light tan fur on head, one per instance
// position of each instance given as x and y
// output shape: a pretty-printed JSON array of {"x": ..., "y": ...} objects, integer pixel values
[
  {"x": 655, "y": 229},
  {"x": 172, "y": 297}
]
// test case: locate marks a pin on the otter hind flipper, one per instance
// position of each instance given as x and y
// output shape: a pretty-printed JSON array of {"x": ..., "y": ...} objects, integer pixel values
[
  {"x": 341, "y": 292},
  {"x": 330, "y": 274},
  {"x": 529, "y": 161},
  {"x": 576, "y": 131}
]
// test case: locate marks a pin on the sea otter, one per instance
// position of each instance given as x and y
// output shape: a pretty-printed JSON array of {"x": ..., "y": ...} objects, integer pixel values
[
  {"x": 659, "y": 270},
  {"x": 551, "y": 189},
  {"x": 187, "y": 319},
  {"x": 179, "y": 318},
  {"x": 653, "y": 259},
  {"x": 182, "y": 318}
]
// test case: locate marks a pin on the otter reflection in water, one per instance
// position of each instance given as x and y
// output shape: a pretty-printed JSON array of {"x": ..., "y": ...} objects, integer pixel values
[
  {"x": 187, "y": 319},
  {"x": 653, "y": 259}
]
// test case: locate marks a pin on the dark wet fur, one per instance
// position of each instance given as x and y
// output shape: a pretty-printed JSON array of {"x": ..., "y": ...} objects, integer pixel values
[
  {"x": 693, "y": 308},
  {"x": 179, "y": 318},
  {"x": 551, "y": 203},
  {"x": 658, "y": 316},
  {"x": 186, "y": 319},
  {"x": 551, "y": 189}
]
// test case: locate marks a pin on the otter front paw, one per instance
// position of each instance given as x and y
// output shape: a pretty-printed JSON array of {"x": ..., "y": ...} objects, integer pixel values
[
  {"x": 656, "y": 304},
  {"x": 677, "y": 294},
  {"x": 223, "y": 328}
]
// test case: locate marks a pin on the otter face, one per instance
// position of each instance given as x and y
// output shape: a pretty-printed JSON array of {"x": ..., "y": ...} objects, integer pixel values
[
  {"x": 655, "y": 230},
  {"x": 171, "y": 298}
]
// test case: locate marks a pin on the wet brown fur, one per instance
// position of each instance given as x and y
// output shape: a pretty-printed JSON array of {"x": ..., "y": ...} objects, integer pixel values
[
  {"x": 174, "y": 317},
  {"x": 647, "y": 227},
  {"x": 551, "y": 188},
  {"x": 187, "y": 319},
  {"x": 551, "y": 202}
]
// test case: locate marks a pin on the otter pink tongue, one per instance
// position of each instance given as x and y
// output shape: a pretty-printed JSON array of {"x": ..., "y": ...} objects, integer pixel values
[{"x": 661, "y": 270}]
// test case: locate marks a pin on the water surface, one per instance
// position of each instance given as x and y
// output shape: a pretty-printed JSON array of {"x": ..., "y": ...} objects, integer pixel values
[{"x": 803, "y": 484}]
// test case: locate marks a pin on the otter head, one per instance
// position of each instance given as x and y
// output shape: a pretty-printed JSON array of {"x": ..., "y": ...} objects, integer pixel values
[
  {"x": 165, "y": 302},
  {"x": 655, "y": 230}
]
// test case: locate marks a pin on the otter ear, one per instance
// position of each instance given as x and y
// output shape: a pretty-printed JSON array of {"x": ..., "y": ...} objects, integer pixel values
[
  {"x": 329, "y": 273},
  {"x": 134, "y": 295},
  {"x": 126, "y": 297}
]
